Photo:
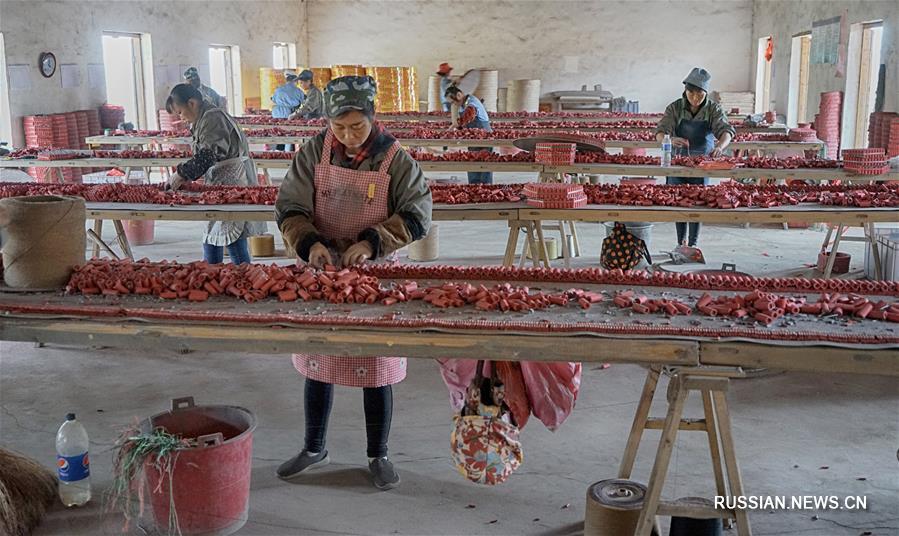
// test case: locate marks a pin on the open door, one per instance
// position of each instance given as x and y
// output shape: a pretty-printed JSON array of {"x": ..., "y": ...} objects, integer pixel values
[
  {"x": 763, "y": 76},
  {"x": 5, "y": 111},
  {"x": 129, "y": 74},
  {"x": 797, "y": 109},
  {"x": 224, "y": 75},
  {"x": 862, "y": 73}
]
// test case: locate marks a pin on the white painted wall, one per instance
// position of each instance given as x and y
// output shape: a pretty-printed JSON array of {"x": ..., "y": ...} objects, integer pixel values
[
  {"x": 641, "y": 50},
  {"x": 181, "y": 33},
  {"x": 785, "y": 18}
]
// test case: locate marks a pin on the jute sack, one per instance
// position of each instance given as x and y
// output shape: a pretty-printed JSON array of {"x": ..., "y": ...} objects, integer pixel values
[{"x": 43, "y": 239}]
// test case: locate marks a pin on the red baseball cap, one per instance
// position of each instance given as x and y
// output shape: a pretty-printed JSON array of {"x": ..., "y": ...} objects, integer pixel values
[{"x": 444, "y": 68}]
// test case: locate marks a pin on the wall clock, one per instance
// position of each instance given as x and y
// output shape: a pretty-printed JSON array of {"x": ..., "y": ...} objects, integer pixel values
[{"x": 47, "y": 64}]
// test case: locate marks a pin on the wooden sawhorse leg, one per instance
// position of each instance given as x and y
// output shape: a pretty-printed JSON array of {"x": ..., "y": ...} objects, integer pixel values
[
  {"x": 122, "y": 239},
  {"x": 712, "y": 383},
  {"x": 98, "y": 230}
]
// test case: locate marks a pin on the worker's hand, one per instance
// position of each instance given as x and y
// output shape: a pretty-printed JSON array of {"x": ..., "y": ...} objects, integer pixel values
[
  {"x": 319, "y": 255},
  {"x": 292, "y": 116},
  {"x": 357, "y": 254},
  {"x": 176, "y": 181},
  {"x": 716, "y": 152},
  {"x": 680, "y": 142}
]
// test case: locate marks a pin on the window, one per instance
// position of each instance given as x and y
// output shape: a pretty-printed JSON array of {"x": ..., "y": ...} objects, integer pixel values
[
  {"x": 763, "y": 76},
  {"x": 284, "y": 56},
  {"x": 224, "y": 75},
  {"x": 797, "y": 108},
  {"x": 128, "y": 64}
]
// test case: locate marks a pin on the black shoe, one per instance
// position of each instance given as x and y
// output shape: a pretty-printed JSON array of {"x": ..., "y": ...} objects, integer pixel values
[
  {"x": 383, "y": 475},
  {"x": 301, "y": 463}
]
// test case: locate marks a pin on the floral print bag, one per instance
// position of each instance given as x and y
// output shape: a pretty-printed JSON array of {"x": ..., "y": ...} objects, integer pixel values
[{"x": 484, "y": 442}]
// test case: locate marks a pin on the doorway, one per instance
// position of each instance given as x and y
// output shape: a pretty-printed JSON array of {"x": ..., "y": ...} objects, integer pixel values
[
  {"x": 224, "y": 75},
  {"x": 763, "y": 75},
  {"x": 797, "y": 109},
  {"x": 129, "y": 78},
  {"x": 862, "y": 73},
  {"x": 5, "y": 110}
]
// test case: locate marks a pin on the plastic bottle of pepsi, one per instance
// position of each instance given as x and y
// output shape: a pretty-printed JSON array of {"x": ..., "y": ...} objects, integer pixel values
[
  {"x": 72, "y": 463},
  {"x": 666, "y": 151}
]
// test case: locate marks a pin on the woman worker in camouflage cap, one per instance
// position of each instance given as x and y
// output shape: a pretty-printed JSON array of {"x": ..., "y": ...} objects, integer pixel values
[{"x": 351, "y": 195}]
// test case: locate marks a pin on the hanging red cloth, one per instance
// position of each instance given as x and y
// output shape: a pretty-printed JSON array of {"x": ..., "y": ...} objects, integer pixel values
[{"x": 769, "y": 50}]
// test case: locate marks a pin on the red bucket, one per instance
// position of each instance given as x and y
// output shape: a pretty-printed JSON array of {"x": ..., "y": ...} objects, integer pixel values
[
  {"x": 210, "y": 484},
  {"x": 139, "y": 232}
]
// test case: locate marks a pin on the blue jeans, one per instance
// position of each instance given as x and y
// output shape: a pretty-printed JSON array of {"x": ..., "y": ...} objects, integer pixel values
[
  {"x": 688, "y": 233},
  {"x": 480, "y": 177},
  {"x": 238, "y": 250}
]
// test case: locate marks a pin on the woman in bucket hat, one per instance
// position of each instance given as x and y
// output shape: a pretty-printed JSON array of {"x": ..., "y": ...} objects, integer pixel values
[{"x": 697, "y": 126}]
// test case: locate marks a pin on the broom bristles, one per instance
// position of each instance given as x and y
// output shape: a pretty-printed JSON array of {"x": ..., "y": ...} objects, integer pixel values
[{"x": 27, "y": 489}]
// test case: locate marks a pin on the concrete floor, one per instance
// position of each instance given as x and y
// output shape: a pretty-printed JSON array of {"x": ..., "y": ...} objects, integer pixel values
[{"x": 797, "y": 434}]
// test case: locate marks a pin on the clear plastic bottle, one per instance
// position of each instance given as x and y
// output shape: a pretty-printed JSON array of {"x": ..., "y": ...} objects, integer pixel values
[
  {"x": 666, "y": 151},
  {"x": 73, "y": 463}
]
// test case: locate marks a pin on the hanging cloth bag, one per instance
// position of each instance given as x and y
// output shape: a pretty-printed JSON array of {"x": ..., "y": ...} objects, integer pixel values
[
  {"x": 623, "y": 250},
  {"x": 484, "y": 443}
]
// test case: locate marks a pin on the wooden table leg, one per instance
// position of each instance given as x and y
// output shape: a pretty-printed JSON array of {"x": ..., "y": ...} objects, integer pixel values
[
  {"x": 828, "y": 269},
  {"x": 639, "y": 424},
  {"x": 663, "y": 457},
  {"x": 711, "y": 425},
  {"x": 123, "y": 239},
  {"x": 98, "y": 229},
  {"x": 60, "y": 175},
  {"x": 730, "y": 460},
  {"x": 542, "y": 254},
  {"x": 532, "y": 246},
  {"x": 512, "y": 243},
  {"x": 566, "y": 254},
  {"x": 875, "y": 251},
  {"x": 577, "y": 245}
]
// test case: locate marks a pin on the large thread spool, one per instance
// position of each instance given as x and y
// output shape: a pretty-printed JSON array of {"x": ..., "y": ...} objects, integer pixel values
[
  {"x": 262, "y": 245},
  {"x": 523, "y": 96},
  {"x": 434, "y": 104},
  {"x": 487, "y": 89},
  {"x": 428, "y": 248},
  {"x": 43, "y": 239},
  {"x": 502, "y": 95},
  {"x": 688, "y": 526},
  {"x": 613, "y": 507}
]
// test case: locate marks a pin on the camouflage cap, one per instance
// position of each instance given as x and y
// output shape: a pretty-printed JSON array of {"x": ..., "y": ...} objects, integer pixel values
[
  {"x": 349, "y": 93},
  {"x": 191, "y": 72}
]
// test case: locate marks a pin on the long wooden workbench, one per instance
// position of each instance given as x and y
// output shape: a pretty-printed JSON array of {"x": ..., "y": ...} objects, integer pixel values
[
  {"x": 703, "y": 364},
  {"x": 763, "y": 146}
]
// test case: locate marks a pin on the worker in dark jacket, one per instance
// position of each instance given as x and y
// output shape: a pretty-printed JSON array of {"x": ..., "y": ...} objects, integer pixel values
[{"x": 697, "y": 126}]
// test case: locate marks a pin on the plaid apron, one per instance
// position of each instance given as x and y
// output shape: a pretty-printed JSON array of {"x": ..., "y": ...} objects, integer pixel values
[
  {"x": 235, "y": 172},
  {"x": 347, "y": 201}
]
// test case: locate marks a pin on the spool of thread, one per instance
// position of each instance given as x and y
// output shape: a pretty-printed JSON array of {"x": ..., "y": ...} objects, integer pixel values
[
  {"x": 552, "y": 249},
  {"x": 501, "y": 99},
  {"x": 487, "y": 89},
  {"x": 613, "y": 507},
  {"x": 434, "y": 104},
  {"x": 43, "y": 240},
  {"x": 428, "y": 248},
  {"x": 688, "y": 526},
  {"x": 262, "y": 246},
  {"x": 523, "y": 96}
]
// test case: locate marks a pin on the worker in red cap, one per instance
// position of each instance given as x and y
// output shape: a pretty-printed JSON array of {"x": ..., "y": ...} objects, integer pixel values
[{"x": 445, "y": 81}]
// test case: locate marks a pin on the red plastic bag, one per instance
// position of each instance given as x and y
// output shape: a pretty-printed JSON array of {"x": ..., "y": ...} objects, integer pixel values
[
  {"x": 552, "y": 389},
  {"x": 516, "y": 396}
]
